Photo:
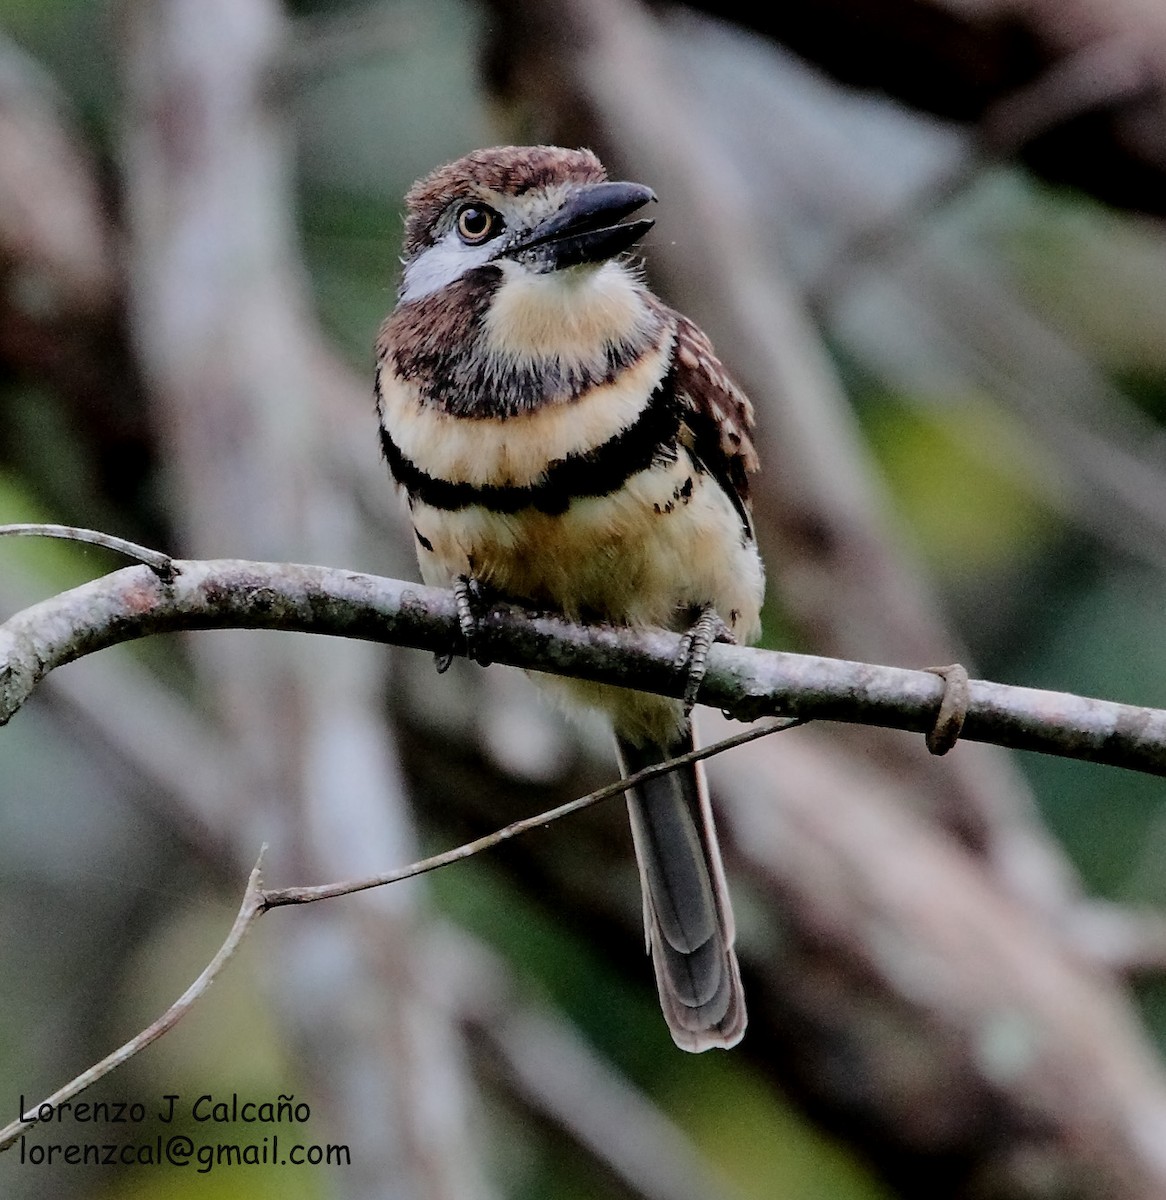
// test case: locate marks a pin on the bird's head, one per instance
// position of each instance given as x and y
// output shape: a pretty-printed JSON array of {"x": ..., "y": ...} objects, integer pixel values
[{"x": 534, "y": 209}]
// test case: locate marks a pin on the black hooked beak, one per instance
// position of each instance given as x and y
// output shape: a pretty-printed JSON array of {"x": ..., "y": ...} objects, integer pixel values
[{"x": 587, "y": 228}]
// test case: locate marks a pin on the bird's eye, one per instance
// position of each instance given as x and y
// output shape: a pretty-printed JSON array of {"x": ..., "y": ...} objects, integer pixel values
[{"x": 476, "y": 224}]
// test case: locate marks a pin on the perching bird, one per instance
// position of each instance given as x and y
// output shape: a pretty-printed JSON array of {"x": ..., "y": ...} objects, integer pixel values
[{"x": 567, "y": 441}]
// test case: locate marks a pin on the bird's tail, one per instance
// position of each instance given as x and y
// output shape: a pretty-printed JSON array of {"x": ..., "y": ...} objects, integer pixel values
[{"x": 687, "y": 915}]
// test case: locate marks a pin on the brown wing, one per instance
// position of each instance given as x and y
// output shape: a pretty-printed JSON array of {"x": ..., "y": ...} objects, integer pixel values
[{"x": 719, "y": 417}]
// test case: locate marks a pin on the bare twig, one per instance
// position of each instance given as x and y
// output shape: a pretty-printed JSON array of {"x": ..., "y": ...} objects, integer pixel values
[
  {"x": 257, "y": 900},
  {"x": 278, "y": 897},
  {"x": 161, "y": 564}
]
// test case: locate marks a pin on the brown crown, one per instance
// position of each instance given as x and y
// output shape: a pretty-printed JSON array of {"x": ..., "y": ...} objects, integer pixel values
[{"x": 508, "y": 169}]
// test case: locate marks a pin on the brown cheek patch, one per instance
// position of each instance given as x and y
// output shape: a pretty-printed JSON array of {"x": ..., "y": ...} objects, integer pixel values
[{"x": 420, "y": 337}]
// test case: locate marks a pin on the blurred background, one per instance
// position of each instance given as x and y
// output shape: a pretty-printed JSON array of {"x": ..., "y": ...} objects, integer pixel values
[{"x": 927, "y": 237}]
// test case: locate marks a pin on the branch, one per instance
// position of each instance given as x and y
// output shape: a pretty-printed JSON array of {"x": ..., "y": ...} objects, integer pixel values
[
  {"x": 745, "y": 683},
  {"x": 277, "y": 898},
  {"x": 1075, "y": 86},
  {"x": 257, "y": 900}
]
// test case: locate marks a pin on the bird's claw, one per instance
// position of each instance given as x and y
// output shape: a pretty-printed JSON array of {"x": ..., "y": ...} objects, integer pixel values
[
  {"x": 468, "y": 601},
  {"x": 467, "y": 595},
  {"x": 692, "y": 657}
]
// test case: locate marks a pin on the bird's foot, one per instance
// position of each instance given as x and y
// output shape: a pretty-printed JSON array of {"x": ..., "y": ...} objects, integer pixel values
[
  {"x": 469, "y": 600},
  {"x": 692, "y": 657}
]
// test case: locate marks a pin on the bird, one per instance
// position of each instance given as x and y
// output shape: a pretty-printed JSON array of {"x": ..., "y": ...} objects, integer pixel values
[{"x": 566, "y": 441}]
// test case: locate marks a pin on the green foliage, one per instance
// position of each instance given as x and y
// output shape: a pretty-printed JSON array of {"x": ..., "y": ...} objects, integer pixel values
[
  {"x": 967, "y": 479},
  {"x": 351, "y": 244},
  {"x": 1104, "y": 638}
]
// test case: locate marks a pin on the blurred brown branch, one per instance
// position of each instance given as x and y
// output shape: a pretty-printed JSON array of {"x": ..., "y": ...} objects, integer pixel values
[
  {"x": 241, "y": 397},
  {"x": 1077, "y": 90},
  {"x": 62, "y": 319}
]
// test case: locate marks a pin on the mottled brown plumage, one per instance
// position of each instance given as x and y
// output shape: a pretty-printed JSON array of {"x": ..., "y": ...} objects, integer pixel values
[
  {"x": 438, "y": 342},
  {"x": 568, "y": 440}
]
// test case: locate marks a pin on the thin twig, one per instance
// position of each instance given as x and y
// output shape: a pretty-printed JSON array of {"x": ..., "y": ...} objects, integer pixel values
[
  {"x": 250, "y": 911},
  {"x": 277, "y": 897},
  {"x": 161, "y": 564},
  {"x": 257, "y": 900}
]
